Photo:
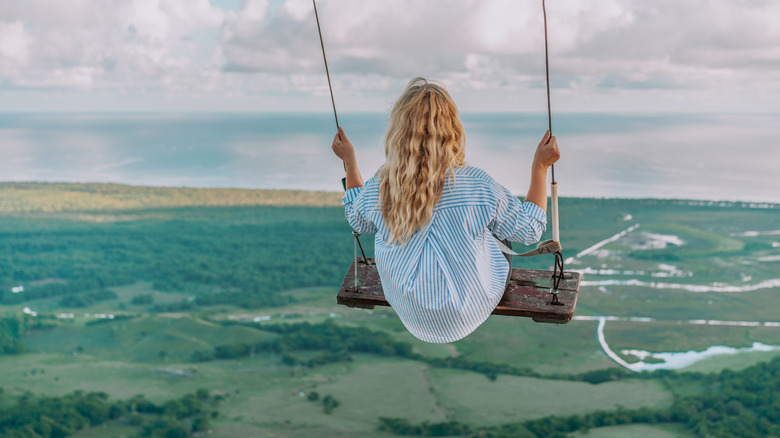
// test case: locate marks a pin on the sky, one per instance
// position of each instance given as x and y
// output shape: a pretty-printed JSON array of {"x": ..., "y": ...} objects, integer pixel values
[{"x": 264, "y": 55}]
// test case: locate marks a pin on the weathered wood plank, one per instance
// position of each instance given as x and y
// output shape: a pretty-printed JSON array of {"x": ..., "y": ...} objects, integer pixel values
[{"x": 527, "y": 295}]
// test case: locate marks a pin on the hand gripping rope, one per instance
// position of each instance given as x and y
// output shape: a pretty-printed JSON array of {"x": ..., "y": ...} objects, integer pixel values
[{"x": 335, "y": 114}]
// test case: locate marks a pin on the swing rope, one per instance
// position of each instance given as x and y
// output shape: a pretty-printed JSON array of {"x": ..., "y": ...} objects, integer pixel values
[
  {"x": 557, "y": 275},
  {"x": 336, "y": 116},
  {"x": 547, "y": 78},
  {"x": 327, "y": 72}
]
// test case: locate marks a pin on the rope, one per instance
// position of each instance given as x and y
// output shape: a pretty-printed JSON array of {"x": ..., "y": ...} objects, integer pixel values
[
  {"x": 547, "y": 73},
  {"x": 327, "y": 72},
  {"x": 336, "y": 116},
  {"x": 558, "y": 267},
  {"x": 557, "y": 277}
]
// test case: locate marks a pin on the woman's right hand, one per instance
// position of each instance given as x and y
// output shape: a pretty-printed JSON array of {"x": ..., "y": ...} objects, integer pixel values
[
  {"x": 547, "y": 152},
  {"x": 343, "y": 148}
]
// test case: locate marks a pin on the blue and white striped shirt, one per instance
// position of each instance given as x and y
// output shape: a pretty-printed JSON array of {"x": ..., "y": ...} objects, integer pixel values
[{"x": 447, "y": 279}]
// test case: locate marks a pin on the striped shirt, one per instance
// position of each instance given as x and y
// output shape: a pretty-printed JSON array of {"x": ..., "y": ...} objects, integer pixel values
[{"x": 447, "y": 279}]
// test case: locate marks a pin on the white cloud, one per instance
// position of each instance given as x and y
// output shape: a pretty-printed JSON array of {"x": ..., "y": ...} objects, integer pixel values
[
  {"x": 596, "y": 47},
  {"x": 14, "y": 44},
  {"x": 90, "y": 44},
  {"x": 718, "y": 53}
]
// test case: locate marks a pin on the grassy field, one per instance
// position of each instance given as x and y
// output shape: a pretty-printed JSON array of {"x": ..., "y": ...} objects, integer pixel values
[
  {"x": 146, "y": 339},
  {"x": 222, "y": 241},
  {"x": 636, "y": 430},
  {"x": 264, "y": 395},
  {"x": 511, "y": 399}
]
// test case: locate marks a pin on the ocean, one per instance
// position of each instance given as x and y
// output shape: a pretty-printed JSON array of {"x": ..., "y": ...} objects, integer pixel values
[{"x": 688, "y": 156}]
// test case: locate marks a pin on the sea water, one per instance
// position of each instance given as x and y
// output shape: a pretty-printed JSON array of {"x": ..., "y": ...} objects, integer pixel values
[{"x": 692, "y": 156}]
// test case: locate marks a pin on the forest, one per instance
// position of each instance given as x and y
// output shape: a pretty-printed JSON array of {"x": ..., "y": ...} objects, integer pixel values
[
  {"x": 58, "y": 417},
  {"x": 263, "y": 251}
]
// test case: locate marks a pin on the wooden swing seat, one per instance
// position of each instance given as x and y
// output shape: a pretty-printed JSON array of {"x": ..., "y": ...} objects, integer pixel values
[{"x": 528, "y": 294}]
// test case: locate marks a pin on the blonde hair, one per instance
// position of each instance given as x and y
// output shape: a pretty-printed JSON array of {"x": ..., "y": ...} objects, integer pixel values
[{"x": 425, "y": 142}]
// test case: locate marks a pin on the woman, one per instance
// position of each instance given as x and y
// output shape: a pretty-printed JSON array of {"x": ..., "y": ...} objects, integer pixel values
[{"x": 434, "y": 216}]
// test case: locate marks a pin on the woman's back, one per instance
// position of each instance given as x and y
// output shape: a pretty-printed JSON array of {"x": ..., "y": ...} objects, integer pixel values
[{"x": 450, "y": 275}]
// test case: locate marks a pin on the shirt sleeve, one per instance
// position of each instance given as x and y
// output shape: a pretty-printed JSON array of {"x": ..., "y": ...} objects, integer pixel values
[
  {"x": 517, "y": 221},
  {"x": 353, "y": 202}
]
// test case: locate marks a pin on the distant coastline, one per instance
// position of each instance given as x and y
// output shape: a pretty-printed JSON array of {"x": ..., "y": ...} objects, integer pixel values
[
  {"x": 59, "y": 197},
  {"x": 47, "y": 197}
]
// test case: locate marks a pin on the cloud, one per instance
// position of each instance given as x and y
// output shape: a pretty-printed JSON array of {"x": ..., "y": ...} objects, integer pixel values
[
  {"x": 683, "y": 44},
  {"x": 609, "y": 45},
  {"x": 192, "y": 49},
  {"x": 15, "y": 44},
  {"x": 90, "y": 44},
  {"x": 389, "y": 38}
]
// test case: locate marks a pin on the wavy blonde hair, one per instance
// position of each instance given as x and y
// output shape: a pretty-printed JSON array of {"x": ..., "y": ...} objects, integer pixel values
[{"x": 425, "y": 142}]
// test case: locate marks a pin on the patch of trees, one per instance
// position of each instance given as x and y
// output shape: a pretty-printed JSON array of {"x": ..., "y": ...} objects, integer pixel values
[
  {"x": 62, "y": 416},
  {"x": 41, "y": 322},
  {"x": 173, "y": 416},
  {"x": 490, "y": 370},
  {"x": 330, "y": 336},
  {"x": 329, "y": 403},
  {"x": 57, "y": 416},
  {"x": 403, "y": 427},
  {"x": 318, "y": 359},
  {"x": 601, "y": 375},
  {"x": 547, "y": 427},
  {"x": 493, "y": 370},
  {"x": 250, "y": 299},
  {"x": 338, "y": 341},
  {"x": 181, "y": 306},
  {"x": 87, "y": 299},
  {"x": 11, "y": 331},
  {"x": 142, "y": 300}
]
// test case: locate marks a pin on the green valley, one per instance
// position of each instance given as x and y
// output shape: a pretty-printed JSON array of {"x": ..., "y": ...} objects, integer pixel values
[{"x": 223, "y": 301}]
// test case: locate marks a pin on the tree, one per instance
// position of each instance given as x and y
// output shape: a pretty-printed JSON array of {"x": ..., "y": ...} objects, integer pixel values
[
  {"x": 329, "y": 403},
  {"x": 200, "y": 424},
  {"x": 142, "y": 300},
  {"x": 202, "y": 394}
]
